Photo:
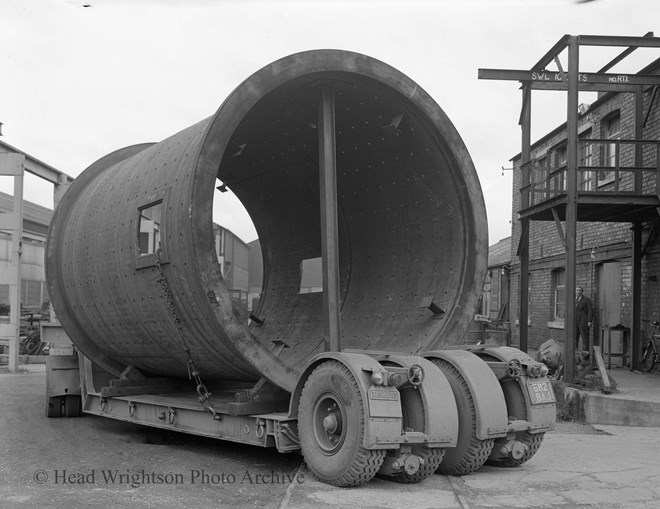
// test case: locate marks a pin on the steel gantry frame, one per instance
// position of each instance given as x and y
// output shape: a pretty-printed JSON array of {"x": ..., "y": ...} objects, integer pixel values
[
  {"x": 14, "y": 163},
  {"x": 573, "y": 81}
]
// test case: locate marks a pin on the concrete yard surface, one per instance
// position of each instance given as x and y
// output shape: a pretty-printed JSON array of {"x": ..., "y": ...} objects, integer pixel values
[
  {"x": 96, "y": 462},
  {"x": 577, "y": 466}
]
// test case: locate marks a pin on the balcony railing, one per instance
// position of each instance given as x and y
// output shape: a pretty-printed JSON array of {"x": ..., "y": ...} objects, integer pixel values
[{"x": 605, "y": 166}]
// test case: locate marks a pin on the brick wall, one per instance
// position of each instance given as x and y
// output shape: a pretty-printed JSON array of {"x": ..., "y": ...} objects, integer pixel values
[{"x": 597, "y": 243}]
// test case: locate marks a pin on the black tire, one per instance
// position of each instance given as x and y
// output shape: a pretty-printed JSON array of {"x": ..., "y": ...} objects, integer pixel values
[
  {"x": 470, "y": 452},
  {"x": 54, "y": 407},
  {"x": 516, "y": 407},
  {"x": 331, "y": 397},
  {"x": 648, "y": 359},
  {"x": 72, "y": 406}
]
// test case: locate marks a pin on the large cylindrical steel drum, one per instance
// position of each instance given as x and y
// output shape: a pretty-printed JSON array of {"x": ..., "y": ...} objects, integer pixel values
[{"x": 411, "y": 226}]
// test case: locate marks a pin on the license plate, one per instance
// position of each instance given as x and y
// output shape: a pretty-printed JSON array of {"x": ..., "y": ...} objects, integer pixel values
[
  {"x": 392, "y": 395},
  {"x": 540, "y": 392}
]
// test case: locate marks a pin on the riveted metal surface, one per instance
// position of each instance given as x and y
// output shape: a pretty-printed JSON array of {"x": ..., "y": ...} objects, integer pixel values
[{"x": 412, "y": 228}]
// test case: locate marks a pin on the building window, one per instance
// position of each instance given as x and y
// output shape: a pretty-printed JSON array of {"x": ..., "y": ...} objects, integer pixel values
[
  {"x": 530, "y": 299},
  {"x": 559, "y": 294},
  {"x": 560, "y": 155},
  {"x": 559, "y": 177},
  {"x": 612, "y": 131},
  {"x": 32, "y": 295},
  {"x": 585, "y": 160},
  {"x": 538, "y": 178},
  {"x": 5, "y": 247},
  {"x": 4, "y": 300},
  {"x": 540, "y": 170}
]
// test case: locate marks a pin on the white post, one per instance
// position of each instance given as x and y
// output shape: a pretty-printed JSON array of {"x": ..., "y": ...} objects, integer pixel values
[{"x": 14, "y": 165}]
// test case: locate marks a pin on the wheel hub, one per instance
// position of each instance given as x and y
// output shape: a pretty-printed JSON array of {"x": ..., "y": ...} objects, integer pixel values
[
  {"x": 328, "y": 422},
  {"x": 411, "y": 464}
]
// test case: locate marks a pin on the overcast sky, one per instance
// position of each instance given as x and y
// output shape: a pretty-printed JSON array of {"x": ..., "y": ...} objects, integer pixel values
[{"x": 79, "y": 82}]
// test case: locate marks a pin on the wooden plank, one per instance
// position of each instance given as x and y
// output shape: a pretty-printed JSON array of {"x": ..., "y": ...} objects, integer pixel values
[
  {"x": 560, "y": 230},
  {"x": 607, "y": 388}
]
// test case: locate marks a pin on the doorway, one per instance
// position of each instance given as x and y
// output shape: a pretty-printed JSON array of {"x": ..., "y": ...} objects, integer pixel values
[{"x": 609, "y": 306}]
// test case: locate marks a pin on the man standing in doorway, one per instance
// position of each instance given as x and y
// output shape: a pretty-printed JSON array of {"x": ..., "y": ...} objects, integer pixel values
[{"x": 584, "y": 315}]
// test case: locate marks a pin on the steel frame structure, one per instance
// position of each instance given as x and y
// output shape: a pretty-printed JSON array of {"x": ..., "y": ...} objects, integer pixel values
[
  {"x": 572, "y": 81},
  {"x": 14, "y": 163}
]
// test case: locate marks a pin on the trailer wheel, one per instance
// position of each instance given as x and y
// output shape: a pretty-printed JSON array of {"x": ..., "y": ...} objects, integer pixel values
[
  {"x": 331, "y": 423},
  {"x": 54, "y": 407},
  {"x": 414, "y": 418},
  {"x": 72, "y": 406},
  {"x": 432, "y": 458},
  {"x": 532, "y": 441},
  {"x": 517, "y": 409},
  {"x": 470, "y": 452}
]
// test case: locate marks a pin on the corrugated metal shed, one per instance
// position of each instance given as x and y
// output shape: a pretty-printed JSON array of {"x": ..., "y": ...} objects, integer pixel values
[{"x": 35, "y": 217}]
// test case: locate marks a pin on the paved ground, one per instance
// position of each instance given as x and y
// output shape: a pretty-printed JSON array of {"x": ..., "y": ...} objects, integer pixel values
[{"x": 79, "y": 463}]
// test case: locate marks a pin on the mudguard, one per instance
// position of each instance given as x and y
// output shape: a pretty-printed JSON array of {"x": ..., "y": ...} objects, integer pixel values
[
  {"x": 62, "y": 376},
  {"x": 383, "y": 404},
  {"x": 540, "y": 416},
  {"x": 440, "y": 412},
  {"x": 490, "y": 405}
]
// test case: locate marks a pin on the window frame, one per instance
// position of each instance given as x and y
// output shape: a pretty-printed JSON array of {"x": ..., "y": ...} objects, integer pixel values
[
  {"x": 585, "y": 160},
  {"x": 559, "y": 294},
  {"x": 560, "y": 156},
  {"x": 610, "y": 156},
  {"x": 143, "y": 261}
]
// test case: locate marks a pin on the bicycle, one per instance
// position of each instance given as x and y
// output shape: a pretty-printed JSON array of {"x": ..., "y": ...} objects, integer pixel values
[{"x": 650, "y": 354}]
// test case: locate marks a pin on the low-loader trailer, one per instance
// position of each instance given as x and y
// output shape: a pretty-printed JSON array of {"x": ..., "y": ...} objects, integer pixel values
[{"x": 342, "y": 162}]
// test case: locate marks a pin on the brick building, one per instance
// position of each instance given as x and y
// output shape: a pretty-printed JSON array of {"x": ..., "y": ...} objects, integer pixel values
[
  {"x": 495, "y": 298},
  {"x": 491, "y": 324},
  {"x": 604, "y": 244}
]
